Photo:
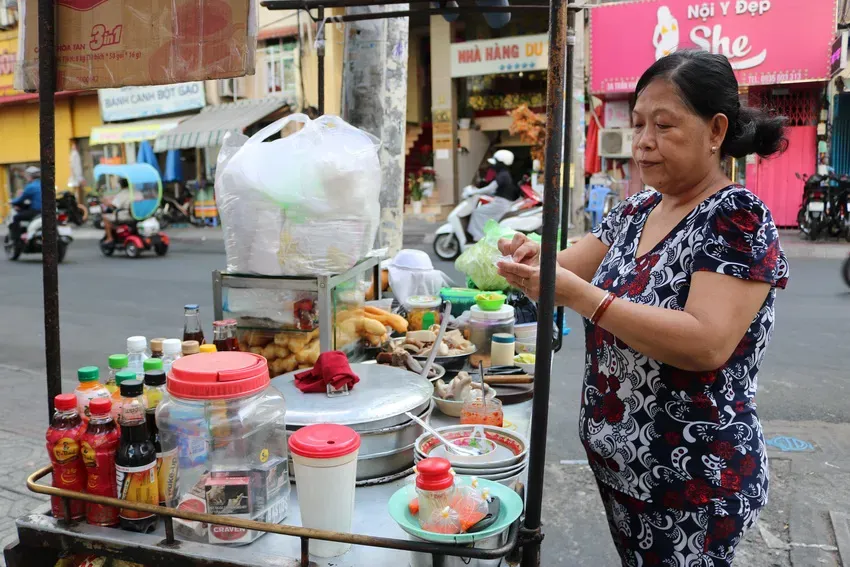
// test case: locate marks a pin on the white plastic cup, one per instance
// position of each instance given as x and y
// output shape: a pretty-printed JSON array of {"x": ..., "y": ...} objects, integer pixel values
[{"x": 325, "y": 461}]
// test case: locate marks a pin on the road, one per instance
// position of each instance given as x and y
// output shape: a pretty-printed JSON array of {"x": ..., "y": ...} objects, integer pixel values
[{"x": 105, "y": 300}]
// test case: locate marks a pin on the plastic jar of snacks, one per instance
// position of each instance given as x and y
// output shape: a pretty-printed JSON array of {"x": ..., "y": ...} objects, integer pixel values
[
  {"x": 422, "y": 311},
  {"x": 223, "y": 438},
  {"x": 484, "y": 324}
]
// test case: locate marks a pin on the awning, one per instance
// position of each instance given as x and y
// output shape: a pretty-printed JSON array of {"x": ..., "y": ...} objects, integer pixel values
[
  {"x": 208, "y": 128},
  {"x": 133, "y": 131}
]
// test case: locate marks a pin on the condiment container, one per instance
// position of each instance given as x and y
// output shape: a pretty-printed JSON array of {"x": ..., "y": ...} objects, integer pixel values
[
  {"x": 502, "y": 349},
  {"x": 484, "y": 324},
  {"x": 435, "y": 488},
  {"x": 422, "y": 311},
  {"x": 225, "y": 423},
  {"x": 325, "y": 461}
]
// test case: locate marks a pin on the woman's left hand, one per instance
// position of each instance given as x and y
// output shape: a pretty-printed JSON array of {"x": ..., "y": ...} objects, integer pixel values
[{"x": 527, "y": 279}]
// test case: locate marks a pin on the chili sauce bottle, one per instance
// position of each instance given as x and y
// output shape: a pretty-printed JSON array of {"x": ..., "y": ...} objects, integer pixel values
[
  {"x": 135, "y": 462},
  {"x": 99, "y": 444},
  {"x": 63, "y": 446}
]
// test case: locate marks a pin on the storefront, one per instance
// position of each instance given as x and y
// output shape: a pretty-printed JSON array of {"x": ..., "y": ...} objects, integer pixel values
[
  {"x": 779, "y": 49},
  {"x": 839, "y": 150},
  {"x": 76, "y": 115}
]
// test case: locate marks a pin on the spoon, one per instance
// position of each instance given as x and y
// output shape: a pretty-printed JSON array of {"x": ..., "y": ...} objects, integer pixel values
[
  {"x": 450, "y": 446},
  {"x": 433, "y": 354}
]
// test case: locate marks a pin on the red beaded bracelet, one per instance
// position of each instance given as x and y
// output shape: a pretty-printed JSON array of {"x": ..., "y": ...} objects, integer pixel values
[{"x": 602, "y": 307}]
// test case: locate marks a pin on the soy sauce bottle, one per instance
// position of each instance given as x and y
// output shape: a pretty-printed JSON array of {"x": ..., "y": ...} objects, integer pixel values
[
  {"x": 192, "y": 329},
  {"x": 135, "y": 462}
]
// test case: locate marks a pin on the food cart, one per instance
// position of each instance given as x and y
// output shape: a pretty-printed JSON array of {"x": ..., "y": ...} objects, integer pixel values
[{"x": 376, "y": 539}]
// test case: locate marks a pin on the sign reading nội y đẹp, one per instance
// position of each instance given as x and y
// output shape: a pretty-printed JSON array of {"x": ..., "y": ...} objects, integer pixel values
[
  {"x": 127, "y": 103},
  {"x": 503, "y": 55}
]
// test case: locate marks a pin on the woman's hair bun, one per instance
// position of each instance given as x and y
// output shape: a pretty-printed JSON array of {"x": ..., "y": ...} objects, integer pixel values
[{"x": 755, "y": 132}]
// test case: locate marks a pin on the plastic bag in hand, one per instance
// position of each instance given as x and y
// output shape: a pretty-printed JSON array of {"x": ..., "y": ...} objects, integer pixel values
[{"x": 306, "y": 204}]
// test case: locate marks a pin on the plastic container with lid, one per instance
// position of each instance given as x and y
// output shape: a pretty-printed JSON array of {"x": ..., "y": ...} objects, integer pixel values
[
  {"x": 117, "y": 363},
  {"x": 156, "y": 347},
  {"x": 227, "y": 427},
  {"x": 462, "y": 298},
  {"x": 484, "y": 324},
  {"x": 172, "y": 349},
  {"x": 88, "y": 389},
  {"x": 137, "y": 354},
  {"x": 422, "y": 311},
  {"x": 435, "y": 487},
  {"x": 502, "y": 349}
]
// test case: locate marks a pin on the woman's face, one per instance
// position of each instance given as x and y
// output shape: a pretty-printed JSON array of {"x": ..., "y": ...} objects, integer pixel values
[{"x": 672, "y": 145}]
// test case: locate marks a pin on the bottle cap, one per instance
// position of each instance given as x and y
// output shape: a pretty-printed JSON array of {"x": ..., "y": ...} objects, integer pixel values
[
  {"x": 88, "y": 374},
  {"x": 208, "y": 348},
  {"x": 152, "y": 364},
  {"x": 132, "y": 388},
  {"x": 118, "y": 361},
  {"x": 218, "y": 376},
  {"x": 136, "y": 344},
  {"x": 100, "y": 406},
  {"x": 219, "y": 323},
  {"x": 65, "y": 402},
  {"x": 172, "y": 346},
  {"x": 124, "y": 376},
  {"x": 155, "y": 377},
  {"x": 504, "y": 338},
  {"x": 191, "y": 306},
  {"x": 324, "y": 441},
  {"x": 191, "y": 347},
  {"x": 156, "y": 345},
  {"x": 434, "y": 473}
]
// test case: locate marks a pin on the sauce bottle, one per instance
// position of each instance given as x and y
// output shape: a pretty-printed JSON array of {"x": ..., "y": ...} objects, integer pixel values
[
  {"x": 63, "y": 446},
  {"x": 192, "y": 329},
  {"x": 136, "y": 355},
  {"x": 152, "y": 364},
  {"x": 135, "y": 461},
  {"x": 166, "y": 463},
  {"x": 191, "y": 347},
  {"x": 171, "y": 351},
  {"x": 208, "y": 349},
  {"x": 224, "y": 335},
  {"x": 99, "y": 444},
  {"x": 117, "y": 399},
  {"x": 156, "y": 348},
  {"x": 88, "y": 389},
  {"x": 117, "y": 363}
]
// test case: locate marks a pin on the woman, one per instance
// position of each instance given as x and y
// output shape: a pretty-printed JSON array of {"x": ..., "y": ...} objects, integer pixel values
[{"x": 678, "y": 288}]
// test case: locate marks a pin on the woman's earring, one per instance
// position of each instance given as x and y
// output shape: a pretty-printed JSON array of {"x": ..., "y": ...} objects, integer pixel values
[{"x": 713, "y": 150}]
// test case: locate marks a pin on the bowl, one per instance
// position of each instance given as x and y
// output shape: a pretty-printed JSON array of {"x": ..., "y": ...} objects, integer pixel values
[
  {"x": 511, "y": 448},
  {"x": 452, "y": 408},
  {"x": 528, "y": 346},
  {"x": 490, "y": 301},
  {"x": 450, "y": 363},
  {"x": 525, "y": 331},
  {"x": 466, "y": 469},
  {"x": 487, "y": 445}
]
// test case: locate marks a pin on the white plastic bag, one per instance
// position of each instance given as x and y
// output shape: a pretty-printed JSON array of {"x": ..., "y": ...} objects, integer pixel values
[{"x": 306, "y": 204}]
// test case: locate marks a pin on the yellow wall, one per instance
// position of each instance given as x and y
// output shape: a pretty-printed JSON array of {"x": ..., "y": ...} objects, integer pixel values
[{"x": 334, "y": 51}]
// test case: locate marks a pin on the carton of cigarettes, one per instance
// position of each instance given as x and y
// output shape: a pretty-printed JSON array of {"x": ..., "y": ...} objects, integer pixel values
[{"x": 230, "y": 496}]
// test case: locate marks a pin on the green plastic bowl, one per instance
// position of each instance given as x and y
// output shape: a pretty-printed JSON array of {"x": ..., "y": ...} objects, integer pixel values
[
  {"x": 510, "y": 510},
  {"x": 493, "y": 304}
]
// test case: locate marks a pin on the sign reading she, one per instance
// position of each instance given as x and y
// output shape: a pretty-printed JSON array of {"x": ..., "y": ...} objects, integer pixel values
[
  {"x": 503, "y": 55},
  {"x": 766, "y": 41},
  {"x": 128, "y": 103}
]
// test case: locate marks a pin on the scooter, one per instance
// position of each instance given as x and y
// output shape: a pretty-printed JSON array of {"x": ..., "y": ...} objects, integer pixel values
[
  {"x": 30, "y": 240},
  {"x": 133, "y": 237},
  {"x": 525, "y": 215}
]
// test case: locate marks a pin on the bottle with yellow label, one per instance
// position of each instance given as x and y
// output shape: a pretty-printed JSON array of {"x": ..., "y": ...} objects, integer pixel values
[{"x": 135, "y": 462}]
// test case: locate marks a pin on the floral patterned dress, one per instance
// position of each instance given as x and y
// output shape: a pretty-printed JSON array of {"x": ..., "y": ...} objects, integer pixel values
[{"x": 679, "y": 456}]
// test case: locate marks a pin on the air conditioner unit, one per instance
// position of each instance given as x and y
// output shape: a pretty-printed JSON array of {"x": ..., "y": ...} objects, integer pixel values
[{"x": 615, "y": 143}]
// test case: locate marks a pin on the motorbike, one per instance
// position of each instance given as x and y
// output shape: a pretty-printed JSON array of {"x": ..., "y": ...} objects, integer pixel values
[
  {"x": 95, "y": 210},
  {"x": 30, "y": 240},
  {"x": 825, "y": 207},
  {"x": 181, "y": 209},
  {"x": 134, "y": 237},
  {"x": 845, "y": 271},
  {"x": 525, "y": 215},
  {"x": 76, "y": 212}
]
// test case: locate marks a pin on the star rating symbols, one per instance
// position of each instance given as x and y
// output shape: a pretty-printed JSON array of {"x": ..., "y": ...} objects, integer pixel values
[{"x": 516, "y": 66}]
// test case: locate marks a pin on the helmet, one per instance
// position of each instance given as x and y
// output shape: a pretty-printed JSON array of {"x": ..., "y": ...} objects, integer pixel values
[
  {"x": 33, "y": 170},
  {"x": 502, "y": 156}
]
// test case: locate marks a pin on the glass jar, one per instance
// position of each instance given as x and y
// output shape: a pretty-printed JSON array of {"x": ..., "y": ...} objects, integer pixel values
[
  {"x": 422, "y": 312},
  {"x": 228, "y": 430},
  {"x": 479, "y": 411},
  {"x": 484, "y": 324}
]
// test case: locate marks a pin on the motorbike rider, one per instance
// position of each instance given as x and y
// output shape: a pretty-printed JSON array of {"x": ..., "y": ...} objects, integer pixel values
[
  {"x": 120, "y": 203},
  {"x": 28, "y": 203},
  {"x": 502, "y": 187}
]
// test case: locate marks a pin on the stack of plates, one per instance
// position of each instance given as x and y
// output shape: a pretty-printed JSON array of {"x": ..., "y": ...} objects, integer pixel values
[{"x": 505, "y": 465}]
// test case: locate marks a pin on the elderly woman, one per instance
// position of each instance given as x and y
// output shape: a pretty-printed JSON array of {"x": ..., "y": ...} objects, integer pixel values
[{"x": 677, "y": 287}]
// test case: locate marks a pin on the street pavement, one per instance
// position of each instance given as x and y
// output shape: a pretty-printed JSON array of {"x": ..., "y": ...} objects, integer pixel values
[{"x": 802, "y": 396}]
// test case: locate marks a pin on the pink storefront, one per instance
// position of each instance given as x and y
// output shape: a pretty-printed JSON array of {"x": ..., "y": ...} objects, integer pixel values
[{"x": 780, "y": 50}]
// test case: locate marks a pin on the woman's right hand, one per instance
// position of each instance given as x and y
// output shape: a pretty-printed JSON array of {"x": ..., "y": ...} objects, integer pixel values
[{"x": 522, "y": 249}]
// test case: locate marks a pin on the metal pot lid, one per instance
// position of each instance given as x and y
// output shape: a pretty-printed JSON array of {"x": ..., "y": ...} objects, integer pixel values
[{"x": 383, "y": 393}]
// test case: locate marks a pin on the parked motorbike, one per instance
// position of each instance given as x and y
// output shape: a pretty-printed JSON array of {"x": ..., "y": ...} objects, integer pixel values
[
  {"x": 30, "y": 239},
  {"x": 525, "y": 215},
  {"x": 76, "y": 212},
  {"x": 825, "y": 207},
  {"x": 181, "y": 209}
]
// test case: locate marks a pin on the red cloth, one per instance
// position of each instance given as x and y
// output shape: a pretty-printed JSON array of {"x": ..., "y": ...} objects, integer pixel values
[{"x": 331, "y": 368}]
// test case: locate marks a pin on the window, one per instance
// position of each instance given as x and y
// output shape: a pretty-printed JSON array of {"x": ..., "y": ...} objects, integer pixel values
[
  {"x": 8, "y": 13},
  {"x": 228, "y": 88},
  {"x": 281, "y": 69}
]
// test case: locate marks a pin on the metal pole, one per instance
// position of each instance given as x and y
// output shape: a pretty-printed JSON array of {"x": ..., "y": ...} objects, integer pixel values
[
  {"x": 321, "y": 65},
  {"x": 47, "y": 139},
  {"x": 555, "y": 141}
]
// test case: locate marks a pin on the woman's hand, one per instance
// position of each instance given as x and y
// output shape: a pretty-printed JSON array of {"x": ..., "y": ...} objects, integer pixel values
[
  {"x": 522, "y": 249},
  {"x": 527, "y": 279}
]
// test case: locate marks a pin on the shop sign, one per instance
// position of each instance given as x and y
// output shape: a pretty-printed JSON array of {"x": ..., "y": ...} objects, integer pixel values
[
  {"x": 767, "y": 42},
  {"x": 838, "y": 56},
  {"x": 8, "y": 58},
  {"x": 128, "y": 103},
  {"x": 503, "y": 55}
]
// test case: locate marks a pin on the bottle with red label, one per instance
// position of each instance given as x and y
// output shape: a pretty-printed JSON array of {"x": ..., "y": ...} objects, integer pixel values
[
  {"x": 99, "y": 444},
  {"x": 63, "y": 446}
]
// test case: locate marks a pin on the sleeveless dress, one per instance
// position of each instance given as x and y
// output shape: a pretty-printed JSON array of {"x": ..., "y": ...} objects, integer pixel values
[{"x": 679, "y": 456}]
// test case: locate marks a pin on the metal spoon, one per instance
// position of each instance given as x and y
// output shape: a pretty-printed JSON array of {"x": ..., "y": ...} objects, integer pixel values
[
  {"x": 450, "y": 446},
  {"x": 433, "y": 354}
]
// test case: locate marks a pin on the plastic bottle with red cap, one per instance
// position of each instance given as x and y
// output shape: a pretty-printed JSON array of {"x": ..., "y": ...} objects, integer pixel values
[
  {"x": 99, "y": 444},
  {"x": 63, "y": 447},
  {"x": 435, "y": 487},
  {"x": 224, "y": 422}
]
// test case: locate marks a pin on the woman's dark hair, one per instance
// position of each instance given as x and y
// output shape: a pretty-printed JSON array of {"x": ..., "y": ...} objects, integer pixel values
[{"x": 708, "y": 86}]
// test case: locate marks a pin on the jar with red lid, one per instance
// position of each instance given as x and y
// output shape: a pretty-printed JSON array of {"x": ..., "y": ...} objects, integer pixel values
[
  {"x": 435, "y": 488},
  {"x": 224, "y": 428}
]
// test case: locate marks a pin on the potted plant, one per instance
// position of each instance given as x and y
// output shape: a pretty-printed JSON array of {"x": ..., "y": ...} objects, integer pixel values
[
  {"x": 417, "y": 192},
  {"x": 428, "y": 177}
]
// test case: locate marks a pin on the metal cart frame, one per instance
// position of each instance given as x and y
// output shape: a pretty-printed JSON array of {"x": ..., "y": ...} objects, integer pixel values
[{"x": 34, "y": 539}]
